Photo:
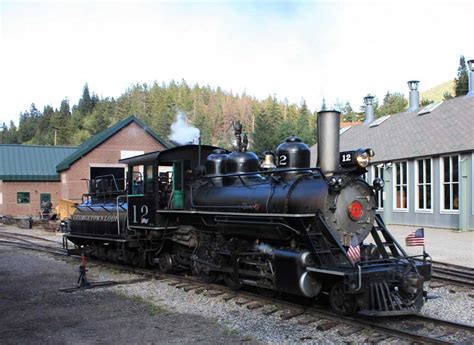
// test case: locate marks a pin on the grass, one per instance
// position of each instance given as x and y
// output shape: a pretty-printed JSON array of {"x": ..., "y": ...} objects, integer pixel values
[{"x": 436, "y": 92}]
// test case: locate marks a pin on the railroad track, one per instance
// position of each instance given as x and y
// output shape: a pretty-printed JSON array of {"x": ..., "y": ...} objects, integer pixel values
[
  {"x": 453, "y": 274},
  {"x": 415, "y": 328}
]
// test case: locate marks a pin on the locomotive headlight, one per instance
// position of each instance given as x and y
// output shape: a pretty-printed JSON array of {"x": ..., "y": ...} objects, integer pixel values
[{"x": 363, "y": 159}]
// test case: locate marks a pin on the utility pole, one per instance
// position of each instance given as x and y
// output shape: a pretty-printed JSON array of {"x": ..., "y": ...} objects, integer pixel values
[{"x": 55, "y": 134}]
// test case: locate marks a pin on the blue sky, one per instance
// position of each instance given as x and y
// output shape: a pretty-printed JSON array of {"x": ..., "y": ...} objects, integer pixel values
[{"x": 337, "y": 50}]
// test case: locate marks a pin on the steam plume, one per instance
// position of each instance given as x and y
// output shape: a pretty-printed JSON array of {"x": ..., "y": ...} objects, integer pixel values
[
  {"x": 182, "y": 133},
  {"x": 264, "y": 248}
]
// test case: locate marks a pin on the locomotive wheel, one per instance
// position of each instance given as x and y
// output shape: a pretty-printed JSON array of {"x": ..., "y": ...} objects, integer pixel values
[
  {"x": 342, "y": 302},
  {"x": 165, "y": 263}
]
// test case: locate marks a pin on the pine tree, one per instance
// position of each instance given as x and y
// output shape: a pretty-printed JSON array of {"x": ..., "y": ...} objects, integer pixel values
[
  {"x": 305, "y": 125},
  {"x": 267, "y": 124},
  {"x": 61, "y": 123},
  {"x": 461, "y": 86},
  {"x": 29, "y": 121},
  {"x": 12, "y": 135},
  {"x": 393, "y": 103},
  {"x": 86, "y": 104},
  {"x": 3, "y": 133}
]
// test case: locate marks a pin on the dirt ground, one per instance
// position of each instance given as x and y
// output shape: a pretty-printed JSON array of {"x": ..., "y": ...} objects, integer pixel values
[{"x": 33, "y": 310}]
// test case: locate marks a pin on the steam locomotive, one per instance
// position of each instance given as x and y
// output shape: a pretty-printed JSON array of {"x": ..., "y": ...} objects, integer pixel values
[{"x": 282, "y": 228}]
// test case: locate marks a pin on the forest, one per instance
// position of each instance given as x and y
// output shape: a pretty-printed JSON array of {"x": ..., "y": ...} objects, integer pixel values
[{"x": 211, "y": 110}]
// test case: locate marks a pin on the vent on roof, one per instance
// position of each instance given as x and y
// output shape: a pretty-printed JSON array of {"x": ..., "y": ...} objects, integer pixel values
[
  {"x": 344, "y": 130},
  {"x": 379, "y": 121},
  {"x": 429, "y": 108}
]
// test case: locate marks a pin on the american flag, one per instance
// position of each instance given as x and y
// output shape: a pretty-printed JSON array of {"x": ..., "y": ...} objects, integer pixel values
[
  {"x": 354, "y": 250},
  {"x": 416, "y": 238}
]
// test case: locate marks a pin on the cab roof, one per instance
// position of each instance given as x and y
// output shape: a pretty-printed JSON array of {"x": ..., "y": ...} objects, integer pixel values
[{"x": 185, "y": 152}]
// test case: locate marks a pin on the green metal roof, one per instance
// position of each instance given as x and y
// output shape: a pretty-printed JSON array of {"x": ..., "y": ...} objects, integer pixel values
[
  {"x": 99, "y": 138},
  {"x": 31, "y": 163}
]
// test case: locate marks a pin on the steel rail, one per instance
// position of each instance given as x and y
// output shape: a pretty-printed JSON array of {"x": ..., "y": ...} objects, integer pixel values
[{"x": 358, "y": 321}]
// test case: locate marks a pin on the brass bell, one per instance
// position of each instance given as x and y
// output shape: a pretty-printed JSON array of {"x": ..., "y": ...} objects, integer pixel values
[{"x": 268, "y": 161}]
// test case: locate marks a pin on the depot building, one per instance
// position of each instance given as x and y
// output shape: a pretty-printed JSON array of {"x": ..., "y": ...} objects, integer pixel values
[{"x": 30, "y": 175}]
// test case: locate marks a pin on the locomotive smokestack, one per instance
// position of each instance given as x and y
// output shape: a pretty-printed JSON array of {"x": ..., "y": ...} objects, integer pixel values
[
  {"x": 369, "y": 109},
  {"x": 414, "y": 95},
  {"x": 328, "y": 141},
  {"x": 470, "y": 64}
]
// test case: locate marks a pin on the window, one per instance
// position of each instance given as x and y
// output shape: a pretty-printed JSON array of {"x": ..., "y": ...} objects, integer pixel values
[
  {"x": 23, "y": 197},
  {"x": 149, "y": 179},
  {"x": 377, "y": 172},
  {"x": 423, "y": 173},
  {"x": 450, "y": 184},
  {"x": 401, "y": 186}
]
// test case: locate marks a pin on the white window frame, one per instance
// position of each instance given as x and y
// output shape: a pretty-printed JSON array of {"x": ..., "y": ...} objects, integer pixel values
[
  {"x": 380, "y": 193},
  {"x": 441, "y": 184},
  {"x": 394, "y": 188},
  {"x": 417, "y": 183},
  {"x": 472, "y": 183}
]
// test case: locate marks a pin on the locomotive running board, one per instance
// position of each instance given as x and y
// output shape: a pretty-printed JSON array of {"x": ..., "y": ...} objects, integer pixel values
[{"x": 283, "y": 215}]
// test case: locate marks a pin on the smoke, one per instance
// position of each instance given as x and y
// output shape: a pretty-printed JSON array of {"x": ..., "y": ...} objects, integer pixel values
[
  {"x": 264, "y": 248},
  {"x": 182, "y": 133}
]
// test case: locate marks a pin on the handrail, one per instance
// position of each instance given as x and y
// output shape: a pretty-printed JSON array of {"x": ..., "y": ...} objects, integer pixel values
[{"x": 118, "y": 215}]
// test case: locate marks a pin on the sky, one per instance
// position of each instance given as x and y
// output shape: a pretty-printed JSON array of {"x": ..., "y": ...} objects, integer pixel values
[{"x": 339, "y": 50}]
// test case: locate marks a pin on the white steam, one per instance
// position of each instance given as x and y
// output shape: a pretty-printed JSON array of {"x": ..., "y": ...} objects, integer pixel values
[
  {"x": 182, "y": 133},
  {"x": 264, "y": 248}
]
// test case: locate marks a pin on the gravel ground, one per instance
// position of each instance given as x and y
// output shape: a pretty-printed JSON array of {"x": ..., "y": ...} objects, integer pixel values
[
  {"x": 212, "y": 317},
  {"x": 455, "y": 303},
  {"x": 34, "y": 311}
]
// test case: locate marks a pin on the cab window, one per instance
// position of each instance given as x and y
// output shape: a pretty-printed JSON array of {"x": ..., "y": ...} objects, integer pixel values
[{"x": 149, "y": 179}]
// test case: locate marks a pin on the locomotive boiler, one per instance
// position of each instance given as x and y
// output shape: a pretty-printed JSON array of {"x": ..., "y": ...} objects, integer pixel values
[{"x": 277, "y": 224}]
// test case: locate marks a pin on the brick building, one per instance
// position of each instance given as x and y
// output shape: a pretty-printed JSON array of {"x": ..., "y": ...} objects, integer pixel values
[{"x": 32, "y": 174}]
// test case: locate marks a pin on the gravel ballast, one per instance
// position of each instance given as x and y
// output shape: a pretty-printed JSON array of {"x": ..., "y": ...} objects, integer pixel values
[
  {"x": 33, "y": 310},
  {"x": 154, "y": 311}
]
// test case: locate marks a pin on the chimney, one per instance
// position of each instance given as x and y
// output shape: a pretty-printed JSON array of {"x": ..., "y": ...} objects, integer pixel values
[
  {"x": 328, "y": 141},
  {"x": 369, "y": 109},
  {"x": 414, "y": 95},
  {"x": 470, "y": 92}
]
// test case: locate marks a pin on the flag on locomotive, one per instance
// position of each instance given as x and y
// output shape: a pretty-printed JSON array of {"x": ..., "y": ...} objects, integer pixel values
[
  {"x": 354, "y": 250},
  {"x": 416, "y": 238}
]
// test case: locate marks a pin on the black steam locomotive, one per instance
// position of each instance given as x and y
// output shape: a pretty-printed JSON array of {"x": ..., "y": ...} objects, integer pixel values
[{"x": 284, "y": 228}]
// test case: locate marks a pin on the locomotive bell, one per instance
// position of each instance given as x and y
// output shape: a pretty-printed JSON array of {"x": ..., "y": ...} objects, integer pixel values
[{"x": 268, "y": 161}]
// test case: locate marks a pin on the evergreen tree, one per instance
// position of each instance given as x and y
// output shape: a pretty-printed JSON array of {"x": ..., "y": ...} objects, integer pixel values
[
  {"x": 63, "y": 125},
  {"x": 425, "y": 101},
  {"x": 12, "y": 135},
  {"x": 267, "y": 124},
  {"x": 393, "y": 103},
  {"x": 3, "y": 133},
  {"x": 447, "y": 95},
  {"x": 461, "y": 86},
  {"x": 305, "y": 125},
  {"x": 86, "y": 104},
  {"x": 29, "y": 121}
]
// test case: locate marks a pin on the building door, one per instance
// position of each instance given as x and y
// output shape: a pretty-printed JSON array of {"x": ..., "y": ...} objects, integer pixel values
[
  {"x": 117, "y": 173},
  {"x": 45, "y": 197}
]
